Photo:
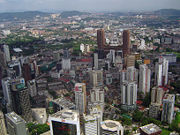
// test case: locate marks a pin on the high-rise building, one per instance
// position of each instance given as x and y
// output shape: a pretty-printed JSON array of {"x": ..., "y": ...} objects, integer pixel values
[
  {"x": 161, "y": 72},
  {"x": 7, "y": 54},
  {"x": 80, "y": 97},
  {"x": 32, "y": 88},
  {"x": 66, "y": 63},
  {"x": 65, "y": 122},
  {"x": 7, "y": 93},
  {"x": 21, "y": 100},
  {"x": 16, "y": 66},
  {"x": 97, "y": 95},
  {"x": 144, "y": 78},
  {"x": 95, "y": 61},
  {"x": 132, "y": 74},
  {"x": 3, "y": 62},
  {"x": 40, "y": 115},
  {"x": 126, "y": 42},
  {"x": 2, "y": 125},
  {"x": 26, "y": 70},
  {"x": 96, "y": 78},
  {"x": 128, "y": 95},
  {"x": 15, "y": 124},
  {"x": 129, "y": 61},
  {"x": 110, "y": 127},
  {"x": 91, "y": 124},
  {"x": 101, "y": 41},
  {"x": 168, "y": 108},
  {"x": 154, "y": 110},
  {"x": 157, "y": 95}
]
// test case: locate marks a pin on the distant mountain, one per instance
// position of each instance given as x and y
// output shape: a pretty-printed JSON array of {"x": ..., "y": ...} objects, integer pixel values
[
  {"x": 66, "y": 14},
  {"x": 10, "y": 16},
  {"x": 168, "y": 12}
]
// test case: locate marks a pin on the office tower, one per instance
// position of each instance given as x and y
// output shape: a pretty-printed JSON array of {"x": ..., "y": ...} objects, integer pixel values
[
  {"x": 154, "y": 110},
  {"x": 26, "y": 69},
  {"x": 20, "y": 97},
  {"x": 15, "y": 124},
  {"x": 157, "y": 95},
  {"x": 168, "y": 108},
  {"x": 128, "y": 95},
  {"x": 3, "y": 62},
  {"x": 129, "y": 61},
  {"x": 65, "y": 122},
  {"x": 2, "y": 125},
  {"x": 7, "y": 93},
  {"x": 161, "y": 72},
  {"x": 96, "y": 78},
  {"x": 97, "y": 95},
  {"x": 110, "y": 127},
  {"x": 32, "y": 88},
  {"x": 91, "y": 124},
  {"x": 144, "y": 78},
  {"x": 109, "y": 79},
  {"x": 95, "y": 61},
  {"x": 112, "y": 56},
  {"x": 7, "y": 54},
  {"x": 16, "y": 65},
  {"x": 126, "y": 43},
  {"x": 80, "y": 97},
  {"x": 150, "y": 129},
  {"x": 101, "y": 41}
]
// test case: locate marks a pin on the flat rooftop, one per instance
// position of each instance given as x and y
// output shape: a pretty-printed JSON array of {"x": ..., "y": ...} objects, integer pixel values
[
  {"x": 14, "y": 117},
  {"x": 111, "y": 125},
  {"x": 66, "y": 104},
  {"x": 150, "y": 128}
]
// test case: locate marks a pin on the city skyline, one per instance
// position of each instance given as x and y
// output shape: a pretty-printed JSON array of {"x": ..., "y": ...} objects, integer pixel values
[{"x": 85, "y": 5}]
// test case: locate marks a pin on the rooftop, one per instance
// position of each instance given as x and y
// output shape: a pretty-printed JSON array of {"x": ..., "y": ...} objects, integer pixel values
[
  {"x": 14, "y": 117},
  {"x": 64, "y": 103},
  {"x": 110, "y": 125},
  {"x": 150, "y": 128}
]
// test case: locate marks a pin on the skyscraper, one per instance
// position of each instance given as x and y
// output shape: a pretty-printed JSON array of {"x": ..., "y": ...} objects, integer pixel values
[
  {"x": 32, "y": 88},
  {"x": 97, "y": 95},
  {"x": 15, "y": 124},
  {"x": 65, "y": 122},
  {"x": 95, "y": 61},
  {"x": 101, "y": 39},
  {"x": 128, "y": 95},
  {"x": 2, "y": 125},
  {"x": 126, "y": 42},
  {"x": 20, "y": 97},
  {"x": 96, "y": 78},
  {"x": 80, "y": 97},
  {"x": 144, "y": 78},
  {"x": 168, "y": 108},
  {"x": 26, "y": 69},
  {"x": 157, "y": 95},
  {"x": 7, "y": 54}
]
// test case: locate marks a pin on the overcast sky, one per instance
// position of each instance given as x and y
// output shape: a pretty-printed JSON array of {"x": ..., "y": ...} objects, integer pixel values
[{"x": 87, "y": 5}]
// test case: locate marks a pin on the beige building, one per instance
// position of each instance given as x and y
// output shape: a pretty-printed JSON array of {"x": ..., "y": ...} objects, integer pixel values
[{"x": 2, "y": 125}]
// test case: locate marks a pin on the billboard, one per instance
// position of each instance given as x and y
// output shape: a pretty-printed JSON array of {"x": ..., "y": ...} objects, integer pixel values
[{"x": 60, "y": 128}]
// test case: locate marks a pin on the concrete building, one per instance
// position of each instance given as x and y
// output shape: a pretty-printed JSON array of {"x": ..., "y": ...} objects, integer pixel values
[
  {"x": 66, "y": 63},
  {"x": 15, "y": 124},
  {"x": 128, "y": 95},
  {"x": 66, "y": 122},
  {"x": 97, "y": 95},
  {"x": 16, "y": 65},
  {"x": 39, "y": 115},
  {"x": 91, "y": 124},
  {"x": 126, "y": 43},
  {"x": 101, "y": 39},
  {"x": 7, "y": 53},
  {"x": 172, "y": 58},
  {"x": 154, "y": 110},
  {"x": 95, "y": 61},
  {"x": 96, "y": 78},
  {"x": 32, "y": 88},
  {"x": 109, "y": 79},
  {"x": 150, "y": 129},
  {"x": 168, "y": 108},
  {"x": 129, "y": 61},
  {"x": 110, "y": 127},
  {"x": 132, "y": 74},
  {"x": 144, "y": 78},
  {"x": 157, "y": 94},
  {"x": 2, "y": 125},
  {"x": 80, "y": 97}
]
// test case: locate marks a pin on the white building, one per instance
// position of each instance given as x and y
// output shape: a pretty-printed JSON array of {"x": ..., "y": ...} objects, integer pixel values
[
  {"x": 129, "y": 95},
  {"x": 157, "y": 94},
  {"x": 80, "y": 97},
  {"x": 97, "y": 95},
  {"x": 96, "y": 78},
  {"x": 65, "y": 122},
  {"x": 7, "y": 53},
  {"x": 39, "y": 114},
  {"x": 82, "y": 48},
  {"x": 92, "y": 124},
  {"x": 132, "y": 74},
  {"x": 16, "y": 66},
  {"x": 32, "y": 88},
  {"x": 110, "y": 127},
  {"x": 168, "y": 108},
  {"x": 144, "y": 78},
  {"x": 66, "y": 63}
]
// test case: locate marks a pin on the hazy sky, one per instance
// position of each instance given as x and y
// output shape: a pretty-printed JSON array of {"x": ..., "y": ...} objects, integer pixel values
[{"x": 87, "y": 5}]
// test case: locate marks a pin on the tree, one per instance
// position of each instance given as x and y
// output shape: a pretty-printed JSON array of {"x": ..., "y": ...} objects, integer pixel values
[
  {"x": 137, "y": 116},
  {"x": 147, "y": 100}
]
